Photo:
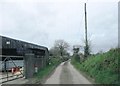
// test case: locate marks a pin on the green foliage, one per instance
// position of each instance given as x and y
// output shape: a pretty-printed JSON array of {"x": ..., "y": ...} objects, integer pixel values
[
  {"x": 76, "y": 57},
  {"x": 48, "y": 69},
  {"x": 102, "y": 67},
  {"x": 65, "y": 58}
]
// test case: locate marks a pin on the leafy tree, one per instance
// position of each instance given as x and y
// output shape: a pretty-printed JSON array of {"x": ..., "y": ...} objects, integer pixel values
[{"x": 87, "y": 49}]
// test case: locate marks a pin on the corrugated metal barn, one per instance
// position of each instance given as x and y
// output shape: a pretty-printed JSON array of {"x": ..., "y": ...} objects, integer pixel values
[{"x": 20, "y": 53}]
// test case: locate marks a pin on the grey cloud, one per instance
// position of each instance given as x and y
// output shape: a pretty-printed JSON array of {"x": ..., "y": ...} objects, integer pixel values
[{"x": 43, "y": 23}]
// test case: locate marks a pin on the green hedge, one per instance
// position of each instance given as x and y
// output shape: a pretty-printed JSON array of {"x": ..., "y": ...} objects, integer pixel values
[{"x": 102, "y": 67}]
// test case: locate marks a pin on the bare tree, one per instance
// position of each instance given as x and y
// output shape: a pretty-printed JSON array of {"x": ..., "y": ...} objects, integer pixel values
[
  {"x": 61, "y": 46},
  {"x": 54, "y": 52}
]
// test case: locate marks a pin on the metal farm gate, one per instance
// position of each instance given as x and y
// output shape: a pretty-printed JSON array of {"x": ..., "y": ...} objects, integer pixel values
[
  {"x": 12, "y": 67},
  {"x": 20, "y": 59}
]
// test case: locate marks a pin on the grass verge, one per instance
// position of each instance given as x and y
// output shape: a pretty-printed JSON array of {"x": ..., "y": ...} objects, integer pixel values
[{"x": 103, "y": 68}]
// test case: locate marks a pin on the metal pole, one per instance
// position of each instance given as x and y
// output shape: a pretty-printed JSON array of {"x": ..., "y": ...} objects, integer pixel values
[
  {"x": 6, "y": 67},
  {"x": 7, "y": 71}
]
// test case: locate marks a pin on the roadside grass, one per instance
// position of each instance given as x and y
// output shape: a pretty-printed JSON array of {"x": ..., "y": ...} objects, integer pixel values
[
  {"x": 103, "y": 68},
  {"x": 48, "y": 69},
  {"x": 45, "y": 72}
]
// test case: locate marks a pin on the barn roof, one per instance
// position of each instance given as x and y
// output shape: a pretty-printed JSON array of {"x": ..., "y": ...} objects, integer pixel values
[
  {"x": 10, "y": 45},
  {"x": 13, "y": 43}
]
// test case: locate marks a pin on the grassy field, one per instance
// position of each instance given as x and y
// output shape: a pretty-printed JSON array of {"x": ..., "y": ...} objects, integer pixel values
[{"x": 103, "y": 68}]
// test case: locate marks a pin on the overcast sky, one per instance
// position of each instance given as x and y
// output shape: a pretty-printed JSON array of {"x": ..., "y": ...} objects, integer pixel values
[{"x": 44, "y": 21}]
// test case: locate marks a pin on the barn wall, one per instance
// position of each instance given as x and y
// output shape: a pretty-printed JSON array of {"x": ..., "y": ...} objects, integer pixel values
[
  {"x": 39, "y": 63},
  {"x": 29, "y": 52}
]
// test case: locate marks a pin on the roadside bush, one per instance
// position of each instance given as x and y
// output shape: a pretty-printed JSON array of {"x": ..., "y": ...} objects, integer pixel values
[
  {"x": 54, "y": 62},
  {"x": 104, "y": 67},
  {"x": 76, "y": 57}
]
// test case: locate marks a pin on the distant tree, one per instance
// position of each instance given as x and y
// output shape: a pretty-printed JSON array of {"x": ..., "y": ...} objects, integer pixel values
[
  {"x": 54, "y": 52},
  {"x": 76, "y": 55},
  {"x": 60, "y": 49},
  {"x": 62, "y": 46},
  {"x": 76, "y": 48}
]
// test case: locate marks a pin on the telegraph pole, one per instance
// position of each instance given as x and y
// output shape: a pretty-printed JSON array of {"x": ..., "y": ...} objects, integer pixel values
[{"x": 86, "y": 52}]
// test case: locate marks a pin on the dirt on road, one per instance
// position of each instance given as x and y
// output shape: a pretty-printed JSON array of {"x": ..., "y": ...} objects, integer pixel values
[{"x": 65, "y": 73}]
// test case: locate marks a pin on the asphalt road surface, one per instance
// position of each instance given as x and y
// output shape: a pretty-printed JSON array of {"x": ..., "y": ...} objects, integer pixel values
[{"x": 65, "y": 73}]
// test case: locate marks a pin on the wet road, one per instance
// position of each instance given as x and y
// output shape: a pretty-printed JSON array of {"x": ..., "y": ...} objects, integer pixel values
[{"x": 65, "y": 73}]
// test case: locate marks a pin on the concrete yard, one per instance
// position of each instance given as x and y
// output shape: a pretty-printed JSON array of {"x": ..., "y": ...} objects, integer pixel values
[
  {"x": 17, "y": 81},
  {"x": 4, "y": 79}
]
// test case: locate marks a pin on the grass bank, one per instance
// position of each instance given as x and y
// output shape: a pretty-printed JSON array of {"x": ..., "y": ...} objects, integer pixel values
[
  {"x": 103, "y": 68},
  {"x": 44, "y": 73}
]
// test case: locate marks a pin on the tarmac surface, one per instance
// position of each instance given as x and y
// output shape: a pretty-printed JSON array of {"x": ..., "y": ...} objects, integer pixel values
[{"x": 65, "y": 73}]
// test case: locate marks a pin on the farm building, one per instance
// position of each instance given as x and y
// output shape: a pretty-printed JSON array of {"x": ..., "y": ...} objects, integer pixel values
[{"x": 16, "y": 53}]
